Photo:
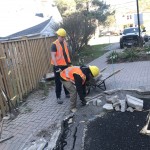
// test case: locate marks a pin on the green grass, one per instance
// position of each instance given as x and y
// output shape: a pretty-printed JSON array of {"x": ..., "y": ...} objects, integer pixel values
[{"x": 88, "y": 54}]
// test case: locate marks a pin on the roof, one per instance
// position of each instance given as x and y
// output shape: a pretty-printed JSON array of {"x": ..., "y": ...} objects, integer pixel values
[{"x": 30, "y": 31}]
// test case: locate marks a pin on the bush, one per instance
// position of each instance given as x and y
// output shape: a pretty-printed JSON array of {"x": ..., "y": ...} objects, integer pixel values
[
  {"x": 79, "y": 30},
  {"x": 130, "y": 55},
  {"x": 113, "y": 57}
]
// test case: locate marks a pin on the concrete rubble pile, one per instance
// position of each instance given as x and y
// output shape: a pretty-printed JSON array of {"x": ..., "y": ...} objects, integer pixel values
[{"x": 129, "y": 103}]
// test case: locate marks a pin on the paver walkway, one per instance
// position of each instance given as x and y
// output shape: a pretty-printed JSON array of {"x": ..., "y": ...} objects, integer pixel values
[{"x": 41, "y": 113}]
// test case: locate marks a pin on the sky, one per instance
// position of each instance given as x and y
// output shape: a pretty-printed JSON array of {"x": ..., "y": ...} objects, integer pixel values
[
  {"x": 122, "y": 4},
  {"x": 13, "y": 14},
  {"x": 16, "y": 15},
  {"x": 116, "y": 2}
]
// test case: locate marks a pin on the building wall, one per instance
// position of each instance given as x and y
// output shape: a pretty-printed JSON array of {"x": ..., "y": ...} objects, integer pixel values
[{"x": 130, "y": 19}]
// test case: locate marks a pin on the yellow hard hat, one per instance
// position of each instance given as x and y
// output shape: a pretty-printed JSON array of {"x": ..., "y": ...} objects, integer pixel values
[
  {"x": 94, "y": 70},
  {"x": 61, "y": 32}
]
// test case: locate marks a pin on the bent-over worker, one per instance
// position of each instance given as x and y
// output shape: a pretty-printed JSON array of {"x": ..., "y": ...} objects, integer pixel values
[{"x": 74, "y": 78}]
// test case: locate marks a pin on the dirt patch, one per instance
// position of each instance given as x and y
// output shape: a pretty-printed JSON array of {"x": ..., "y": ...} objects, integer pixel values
[{"x": 47, "y": 133}]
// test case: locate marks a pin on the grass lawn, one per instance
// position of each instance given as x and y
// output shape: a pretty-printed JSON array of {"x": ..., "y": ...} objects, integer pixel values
[{"x": 88, "y": 54}]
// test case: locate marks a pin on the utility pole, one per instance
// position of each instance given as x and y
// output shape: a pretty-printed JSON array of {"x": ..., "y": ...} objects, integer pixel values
[{"x": 138, "y": 19}]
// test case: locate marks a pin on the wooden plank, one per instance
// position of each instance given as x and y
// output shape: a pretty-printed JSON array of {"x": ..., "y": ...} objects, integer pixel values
[
  {"x": 3, "y": 105},
  {"x": 28, "y": 80},
  {"x": 41, "y": 60},
  {"x": 11, "y": 71},
  {"x": 34, "y": 54},
  {"x": 38, "y": 60},
  {"x": 30, "y": 62},
  {"x": 20, "y": 65},
  {"x": 2, "y": 65},
  {"x": 2, "y": 108},
  {"x": 7, "y": 66},
  {"x": 45, "y": 63},
  {"x": 33, "y": 51},
  {"x": 14, "y": 73},
  {"x": 23, "y": 72},
  {"x": 46, "y": 55},
  {"x": 47, "y": 51}
]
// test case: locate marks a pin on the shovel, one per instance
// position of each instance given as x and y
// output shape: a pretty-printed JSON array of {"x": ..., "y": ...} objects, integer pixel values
[{"x": 13, "y": 111}]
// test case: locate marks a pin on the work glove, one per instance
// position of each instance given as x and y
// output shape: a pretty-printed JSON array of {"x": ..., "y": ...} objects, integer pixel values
[{"x": 57, "y": 69}]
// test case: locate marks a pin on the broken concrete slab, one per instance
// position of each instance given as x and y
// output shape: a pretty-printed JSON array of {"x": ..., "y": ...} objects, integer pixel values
[
  {"x": 130, "y": 109},
  {"x": 99, "y": 102},
  {"x": 134, "y": 102},
  {"x": 123, "y": 105},
  {"x": 117, "y": 108},
  {"x": 94, "y": 102},
  {"x": 116, "y": 103},
  {"x": 108, "y": 106}
]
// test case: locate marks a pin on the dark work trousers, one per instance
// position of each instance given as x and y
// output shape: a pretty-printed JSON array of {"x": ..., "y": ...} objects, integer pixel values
[{"x": 58, "y": 84}]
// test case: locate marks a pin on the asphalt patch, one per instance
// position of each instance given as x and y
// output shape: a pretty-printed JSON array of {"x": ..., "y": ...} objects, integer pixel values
[{"x": 118, "y": 131}]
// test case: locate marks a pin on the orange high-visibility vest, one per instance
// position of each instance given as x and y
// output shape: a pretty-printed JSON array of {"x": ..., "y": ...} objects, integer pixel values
[
  {"x": 67, "y": 74},
  {"x": 59, "y": 54}
]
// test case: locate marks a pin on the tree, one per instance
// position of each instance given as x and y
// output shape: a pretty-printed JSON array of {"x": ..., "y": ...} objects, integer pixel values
[
  {"x": 66, "y": 7},
  {"x": 144, "y": 5},
  {"x": 79, "y": 19},
  {"x": 100, "y": 11},
  {"x": 110, "y": 20},
  {"x": 79, "y": 30}
]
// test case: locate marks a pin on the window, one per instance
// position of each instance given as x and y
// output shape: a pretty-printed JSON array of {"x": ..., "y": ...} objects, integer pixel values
[{"x": 130, "y": 16}]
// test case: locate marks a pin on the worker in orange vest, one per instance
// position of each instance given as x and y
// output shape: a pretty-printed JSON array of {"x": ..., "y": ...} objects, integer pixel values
[
  {"x": 60, "y": 60},
  {"x": 74, "y": 78}
]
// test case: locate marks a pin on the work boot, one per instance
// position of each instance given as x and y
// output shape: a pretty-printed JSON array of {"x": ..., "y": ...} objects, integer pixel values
[
  {"x": 83, "y": 103},
  {"x": 59, "y": 101},
  {"x": 68, "y": 96}
]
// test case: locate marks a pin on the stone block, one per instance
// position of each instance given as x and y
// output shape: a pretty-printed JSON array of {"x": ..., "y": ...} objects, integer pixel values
[
  {"x": 112, "y": 99},
  {"x": 94, "y": 102},
  {"x": 108, "y": 106},
  {"x": 116, "y": 103},
  {"x": 99, "y": 102},
  {"x": 130, "y": 109},
  {"x": 117, "y": 108},
  {"x": 123, "y": 105},
  {"x": 134, "y": 102}
]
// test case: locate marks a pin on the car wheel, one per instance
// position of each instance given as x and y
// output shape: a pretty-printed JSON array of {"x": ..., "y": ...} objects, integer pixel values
[
  {"x": 146, "y": 39},
  {"x": 121, "y": 45}
]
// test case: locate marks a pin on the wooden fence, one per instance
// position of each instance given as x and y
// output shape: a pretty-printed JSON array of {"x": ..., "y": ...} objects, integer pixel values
[{"x": 22, "y": 65}]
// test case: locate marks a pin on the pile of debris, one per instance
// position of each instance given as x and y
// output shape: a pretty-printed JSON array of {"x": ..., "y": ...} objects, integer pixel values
[{"x": 129, "y": 103}]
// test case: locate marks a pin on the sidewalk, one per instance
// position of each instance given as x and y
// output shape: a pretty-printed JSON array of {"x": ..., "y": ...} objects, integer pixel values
[{"x": 39, "y": 114}]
